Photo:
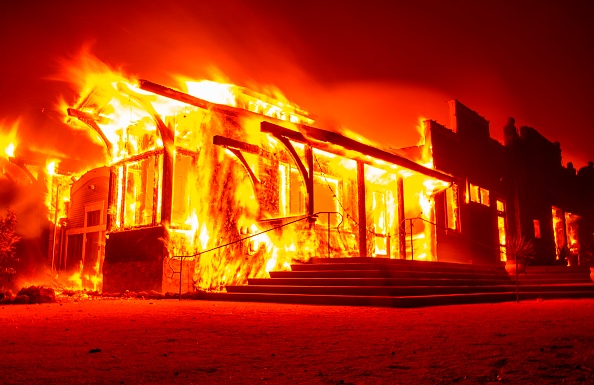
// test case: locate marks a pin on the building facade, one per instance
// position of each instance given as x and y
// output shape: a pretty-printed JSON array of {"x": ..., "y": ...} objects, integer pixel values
[{"x": 198, "y": 194}]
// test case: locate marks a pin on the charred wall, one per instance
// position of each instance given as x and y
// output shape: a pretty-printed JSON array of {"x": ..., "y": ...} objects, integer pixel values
[
  {"x": 134, "y": 260},
  {"x": 535, "y": 165},
  {"x": 469, "y": 154}
]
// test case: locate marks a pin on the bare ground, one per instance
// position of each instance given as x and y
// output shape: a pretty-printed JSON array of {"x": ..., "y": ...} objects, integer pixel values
[{"x": 126, "y": 341}]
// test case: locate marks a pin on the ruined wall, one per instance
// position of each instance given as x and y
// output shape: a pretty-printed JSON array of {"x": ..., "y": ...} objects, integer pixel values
[
  {"x": 536, "y": 166},
  {"x": 134, "y": 260},
  {"x": 469, "y": 153}
]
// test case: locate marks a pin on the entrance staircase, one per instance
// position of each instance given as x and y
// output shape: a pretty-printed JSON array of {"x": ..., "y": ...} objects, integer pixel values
[{"x": 404, "y": 283}]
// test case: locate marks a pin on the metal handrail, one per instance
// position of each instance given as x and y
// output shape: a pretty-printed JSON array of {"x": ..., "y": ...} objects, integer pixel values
[
  {"x": 470, "y": 239},
  {"x": 494, "y": 249},
  {"x": 314, "y": 215}
]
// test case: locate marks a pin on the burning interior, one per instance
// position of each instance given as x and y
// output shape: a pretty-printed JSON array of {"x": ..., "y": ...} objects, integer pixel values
[{"x": 209, "y": 186}]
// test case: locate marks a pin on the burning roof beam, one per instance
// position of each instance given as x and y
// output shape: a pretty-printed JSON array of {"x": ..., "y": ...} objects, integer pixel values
[
  {"x": 168, "y": 137},
  {"x": 353, "y": 145},
  {"x": 236, "y": 146},
  {"x": 353, "y": 149},
  {"x": 239, "y": 145},
  {"x": 90, "y": 121},
  {"x": 184, "y": 98},
  {"x": 253, "y": 177},
  {"x": 22, "y": 164}
]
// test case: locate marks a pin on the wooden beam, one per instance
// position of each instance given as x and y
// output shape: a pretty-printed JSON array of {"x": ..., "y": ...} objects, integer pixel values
[
  {"x": 168, "y": 137},
  {"x": 278, "y": 131},
  {"x": 232, "y": 143},
  {"x": 309, "y": 182},
  {"x": 111, "y": 198},
  {"x": 90, "y": 121},
  {"x": 23, "y": 166},
  {"x": 253, "y": 177},
  {"x": 365, "y": 149},
  {"x": 185, "y": 98}
]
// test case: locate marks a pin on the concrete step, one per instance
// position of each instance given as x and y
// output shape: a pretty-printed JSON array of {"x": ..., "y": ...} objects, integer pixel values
[
  {"x": 381, "y": 273},
  {"x": 552, "y": 281},
  {"x": 557, "y": 270},
  {"x": 397, "y": 291},
  {"x": 324, "y": 281},
  {"x": 531, "y": 275},
  {"x": 389, "y": 301},
  {"x": 403, "y": 262},
  {"x": 408, "y": 266}
]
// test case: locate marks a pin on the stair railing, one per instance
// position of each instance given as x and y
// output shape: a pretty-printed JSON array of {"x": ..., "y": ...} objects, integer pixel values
[
  {"x": 411, "y": 220},
  {"x": 411, "y": 240},
  {"x": 311, "y": 217}
]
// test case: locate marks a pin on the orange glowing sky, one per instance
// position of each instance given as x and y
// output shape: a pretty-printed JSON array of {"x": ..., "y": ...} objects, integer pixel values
[{"x": 374, "y": 67}]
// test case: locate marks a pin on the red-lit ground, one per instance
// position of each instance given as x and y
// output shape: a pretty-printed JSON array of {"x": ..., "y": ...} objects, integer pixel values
[{"x": 167, "y": 341}]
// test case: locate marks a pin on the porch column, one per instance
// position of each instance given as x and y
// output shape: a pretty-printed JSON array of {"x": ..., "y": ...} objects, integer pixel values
[
  {"x": 361, "y": 209},
  {"x": 400, "y": 217},
  {"x": 309, "y": 180}
]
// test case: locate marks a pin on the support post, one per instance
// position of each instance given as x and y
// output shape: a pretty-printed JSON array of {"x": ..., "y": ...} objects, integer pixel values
[
  {"x": 309, "y": 180},
  {"x": 400, "y": 216},
  {"x": 361, "y": 209}
]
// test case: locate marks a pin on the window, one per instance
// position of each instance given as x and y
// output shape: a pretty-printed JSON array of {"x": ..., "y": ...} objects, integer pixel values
[
  {"x": 501, "y": 228},
  {"x": 136, "y": 202},
  {"x": 536, "y": 224},
  {"x": 291, "y": 194},
  {"x": 452, "y": 208},
  {"x": 478, "y": 194},
  {"x": 93, "y": 218}
]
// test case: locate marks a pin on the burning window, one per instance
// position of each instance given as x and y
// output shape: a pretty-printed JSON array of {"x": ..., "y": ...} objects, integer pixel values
[
  {"x": 380, "y": 225},
  {"x": 501, "y": 229},
  {"x": 452, "y": 208},
  {"x": 536, "y": 224},
  {"x": 181, "y": 192},
  {"x": 478, "y": 194},
  {"x": 559, "y": 230},
  {"x": 139, "y": 180},
  {"x": 572, "y": 222},
  {"x": 291, "y": 194}
]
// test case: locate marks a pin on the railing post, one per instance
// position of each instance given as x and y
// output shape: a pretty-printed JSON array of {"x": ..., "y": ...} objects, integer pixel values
[
  {"x": 181, "y": 268},
  {"x": 412, "y": 249},
  {"x": 328, "y": 234}
]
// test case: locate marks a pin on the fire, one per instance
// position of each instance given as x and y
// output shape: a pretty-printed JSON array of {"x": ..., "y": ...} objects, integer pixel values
[
  {"x": 425, "y": 144},
  {"x": 9, "y": 150},
  {"x": 213, "y": 92},
  {"x": 81, "y": 280},
  {"x": 51, "y": 168},
  {"x": 236, "y": 204},
  {"x": 8, "y": 139}
]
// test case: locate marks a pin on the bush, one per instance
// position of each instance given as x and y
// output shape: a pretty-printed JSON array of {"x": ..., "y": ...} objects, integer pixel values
[{"x": 8, "y": 239}]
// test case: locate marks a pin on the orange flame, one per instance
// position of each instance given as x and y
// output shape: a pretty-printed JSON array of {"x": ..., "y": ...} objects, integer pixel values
[{"x": 215, "y": 201}]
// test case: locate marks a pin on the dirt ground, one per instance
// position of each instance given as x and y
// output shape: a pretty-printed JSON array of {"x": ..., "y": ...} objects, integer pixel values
[{"x": 126, "y": 341}]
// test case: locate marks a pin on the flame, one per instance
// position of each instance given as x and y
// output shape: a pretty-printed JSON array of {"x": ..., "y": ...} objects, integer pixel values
[
  {"x": 9, "y": 150},
  {"x": 8, "y": 139},
  {"x": 212, "y": 91},
  {"x": 425, "y": 143},
  {"x": 217, "y": 197},
  {"x": 51, "y": 168}
]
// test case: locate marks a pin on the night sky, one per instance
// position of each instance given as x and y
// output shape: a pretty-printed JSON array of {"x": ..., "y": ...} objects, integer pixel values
[{"x": 373, "y": 67}]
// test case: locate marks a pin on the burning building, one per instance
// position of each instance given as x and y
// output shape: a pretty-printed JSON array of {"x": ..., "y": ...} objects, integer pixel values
[{"x": 208, "y": 185}]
